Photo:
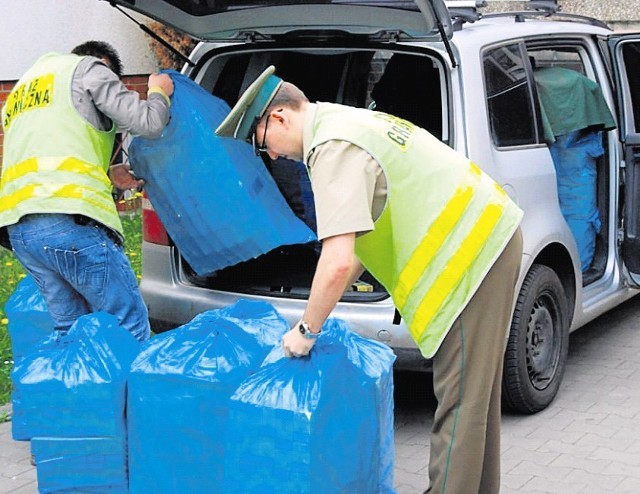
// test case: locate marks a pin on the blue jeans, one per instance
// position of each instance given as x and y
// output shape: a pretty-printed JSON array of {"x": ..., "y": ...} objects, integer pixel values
[{"x": 79, "y": 269}]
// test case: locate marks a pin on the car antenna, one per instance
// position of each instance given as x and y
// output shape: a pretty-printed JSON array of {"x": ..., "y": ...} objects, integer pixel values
[{"x": 160, "y": 40}]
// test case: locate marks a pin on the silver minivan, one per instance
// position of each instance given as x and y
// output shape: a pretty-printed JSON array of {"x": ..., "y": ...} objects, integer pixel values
[{"x": 481, "y": 84}]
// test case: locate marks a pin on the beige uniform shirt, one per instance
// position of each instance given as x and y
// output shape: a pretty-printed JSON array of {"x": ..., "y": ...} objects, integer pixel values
[{"x": 349, "y": 186}]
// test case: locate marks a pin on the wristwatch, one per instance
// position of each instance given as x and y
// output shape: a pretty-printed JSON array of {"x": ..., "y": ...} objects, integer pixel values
[{"x": 306, "y": 332}]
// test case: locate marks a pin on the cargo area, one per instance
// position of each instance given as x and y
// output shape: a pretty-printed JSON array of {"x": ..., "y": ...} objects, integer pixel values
[{"x": 404, "y": 84}]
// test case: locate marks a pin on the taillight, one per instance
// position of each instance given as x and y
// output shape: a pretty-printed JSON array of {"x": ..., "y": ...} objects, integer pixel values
[{"x": 152, "y": 228}]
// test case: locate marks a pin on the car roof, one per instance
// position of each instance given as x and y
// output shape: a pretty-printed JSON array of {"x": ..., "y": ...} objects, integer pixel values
[{"x": 489, "y": 30}]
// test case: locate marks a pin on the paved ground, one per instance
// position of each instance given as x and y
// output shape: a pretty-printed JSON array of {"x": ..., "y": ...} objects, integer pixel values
[{"x": 587, "y": 441}]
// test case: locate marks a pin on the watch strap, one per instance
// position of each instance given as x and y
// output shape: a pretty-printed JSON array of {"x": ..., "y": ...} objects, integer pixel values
[{"x": 306, "y": 332}]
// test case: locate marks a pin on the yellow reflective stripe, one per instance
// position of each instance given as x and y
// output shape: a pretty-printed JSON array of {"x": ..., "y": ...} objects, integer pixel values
[
  {"x": 17, "y": 171},
  {"x": 75, "y": 165},
  {"x": 70, "y": 165},
  {"x": 66, "y": 192},
  {"x": 87, "y": 195},
  {"x": 430, "y": 245},
  {"x": 475, "y": 169},
  {"x": 71, "y": 191},
  {"x": 501, "y": 191},
  {"x": 12, "y": 200},
  {"x": 444, "y": 285}
]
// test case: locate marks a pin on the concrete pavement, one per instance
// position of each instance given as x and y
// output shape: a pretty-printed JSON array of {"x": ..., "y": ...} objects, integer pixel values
[{"x": 587, "y": 441}]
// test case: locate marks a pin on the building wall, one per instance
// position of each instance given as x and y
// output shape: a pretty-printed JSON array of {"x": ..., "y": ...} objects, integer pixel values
[
  {"x": 620, "y": 15},
  {"x": 31, "y": 28}
]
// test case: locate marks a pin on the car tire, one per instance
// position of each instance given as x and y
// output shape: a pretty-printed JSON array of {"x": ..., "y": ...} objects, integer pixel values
[{"x": 536, "y": 353}]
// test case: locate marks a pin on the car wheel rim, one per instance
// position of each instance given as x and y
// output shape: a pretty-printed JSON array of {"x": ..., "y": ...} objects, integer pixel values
[{"x": 543, "y": 342}]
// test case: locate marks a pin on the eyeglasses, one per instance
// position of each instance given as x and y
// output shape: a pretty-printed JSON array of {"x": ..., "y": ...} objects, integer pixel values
[{"x": 262, "y": 148}]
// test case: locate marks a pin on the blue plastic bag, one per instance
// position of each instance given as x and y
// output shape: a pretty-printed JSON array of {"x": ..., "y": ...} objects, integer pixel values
[
  {"x": 574, "y": 156},
  {"x": 214, "y": 195},
  {"x": 73, "y": 383},
  {"x": 179, "y": 392},
  {"x": 320, "y": 424},
  {"x": 88, "y": 465},
  {"x": 29, "y": 319}
]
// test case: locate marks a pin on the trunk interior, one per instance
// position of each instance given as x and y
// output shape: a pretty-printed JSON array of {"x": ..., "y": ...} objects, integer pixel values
[{"x": 405, "y": 84}]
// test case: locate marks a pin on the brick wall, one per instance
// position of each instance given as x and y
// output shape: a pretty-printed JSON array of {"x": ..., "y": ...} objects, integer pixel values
[{"x": 135, "y": 82}]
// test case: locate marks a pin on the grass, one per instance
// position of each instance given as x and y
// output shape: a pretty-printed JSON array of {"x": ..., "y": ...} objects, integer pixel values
[{"x": 11, "y": 272}]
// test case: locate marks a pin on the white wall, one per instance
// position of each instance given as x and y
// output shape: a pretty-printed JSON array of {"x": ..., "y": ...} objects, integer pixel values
[{"x": 31, "y": 28}]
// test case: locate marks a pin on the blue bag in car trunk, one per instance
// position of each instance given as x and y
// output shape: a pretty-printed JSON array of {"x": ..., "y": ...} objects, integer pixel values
[
  {"x": 315, "y": 425},
  {"x": 214, "y": 195},
  {"x": 29, "y": 319},
  {"x": 179, "y": 392}
]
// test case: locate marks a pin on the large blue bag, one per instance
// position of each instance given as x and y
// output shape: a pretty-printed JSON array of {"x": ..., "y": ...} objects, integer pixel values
[
  {"x": 73, "y": 383},
  {"x": 574, "y": 156},
  {"x": 29, "y": 319},
  {"x": 214, "y": 195},
  {"x": 179, "y": 392},
  {"x": 315, "y": 425},
  {"x": 69, "y": 399},
  {"x": 88, "y": 464}
]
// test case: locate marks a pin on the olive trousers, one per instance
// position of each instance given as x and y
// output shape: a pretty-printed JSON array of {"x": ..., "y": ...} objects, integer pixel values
[{"x": 467, "y": 379}]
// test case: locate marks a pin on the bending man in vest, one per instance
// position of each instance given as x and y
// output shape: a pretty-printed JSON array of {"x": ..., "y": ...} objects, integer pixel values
[
  {"x": 441, "y": 237},
  {"x": 60, "y": 122}
]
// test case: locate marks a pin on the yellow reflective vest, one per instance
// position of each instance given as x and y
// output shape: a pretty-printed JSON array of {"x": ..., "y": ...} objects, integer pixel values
[
  {"x": 54, "y": 161},
  {"x": 443, "y": 226}
]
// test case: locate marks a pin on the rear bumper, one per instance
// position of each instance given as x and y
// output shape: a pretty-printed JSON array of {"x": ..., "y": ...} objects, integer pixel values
[{"x": 172, "y": 302}]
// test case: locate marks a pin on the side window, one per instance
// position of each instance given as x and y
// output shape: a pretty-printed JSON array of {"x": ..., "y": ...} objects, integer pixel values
[
  {"x": 569, "y": 99},
  {"x": 511, "y": 110},
  {"x": 631, "y": 55},
  {"x": 567, "y": 58}
]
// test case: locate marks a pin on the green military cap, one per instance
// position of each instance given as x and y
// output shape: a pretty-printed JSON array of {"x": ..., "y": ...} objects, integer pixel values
[{"x": 240, "y": 123}]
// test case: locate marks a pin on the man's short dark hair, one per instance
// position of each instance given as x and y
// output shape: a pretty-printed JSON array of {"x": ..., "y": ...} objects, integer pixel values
[{"x": 100, "y": 49}]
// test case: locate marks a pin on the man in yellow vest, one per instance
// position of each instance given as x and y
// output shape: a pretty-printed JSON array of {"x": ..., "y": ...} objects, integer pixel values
[
  {"x": 439, "y": 235},
  {"x": 56, "y": 208}
]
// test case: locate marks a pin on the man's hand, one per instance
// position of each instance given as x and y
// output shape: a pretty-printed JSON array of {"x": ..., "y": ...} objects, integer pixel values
[
  {"x": 122, "y": 177},
  {"x": 295, "y": 344},
  {"x": 162, "y": 81}
]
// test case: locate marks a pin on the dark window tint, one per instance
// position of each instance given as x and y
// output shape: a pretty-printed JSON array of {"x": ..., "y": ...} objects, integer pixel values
[
  {"x": 511, "y": 111},
  {"x": 631, "y": 54}
]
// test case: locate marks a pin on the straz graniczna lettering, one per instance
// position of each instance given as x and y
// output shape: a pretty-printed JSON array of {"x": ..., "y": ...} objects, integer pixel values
[
  {"x": 35, "y": 94},
  {"x": 400, "y": 131}
]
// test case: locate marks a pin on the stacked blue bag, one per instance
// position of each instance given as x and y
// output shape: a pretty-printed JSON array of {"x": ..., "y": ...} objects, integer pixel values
[
  {"x": 179, "y": 392},
  {"x": 29, "y": 319},
  {"x": 315, "y": 425},
  {"x": 204, "y": 187},
  {"x": 69, "y": 400},
  {"x": 574, "y": 156},
  {"x": 574, "y": 116}
]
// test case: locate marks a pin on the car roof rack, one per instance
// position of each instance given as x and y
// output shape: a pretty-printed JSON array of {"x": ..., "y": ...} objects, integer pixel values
[
  {"x": 462, "y": 11},
  {"x": 547, "y": 8}
]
